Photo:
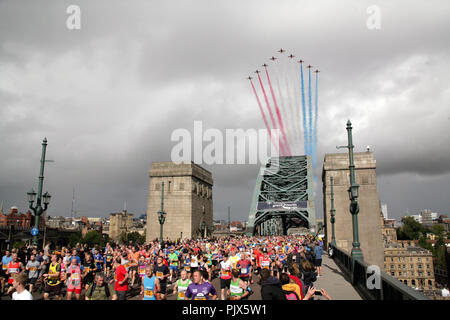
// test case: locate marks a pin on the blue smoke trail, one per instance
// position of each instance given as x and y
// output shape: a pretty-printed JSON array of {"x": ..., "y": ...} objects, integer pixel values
[
  {"x": 305, "y": 129},
  {"x": 316, "y": 116},
  {"x": 310, "y": 114}
]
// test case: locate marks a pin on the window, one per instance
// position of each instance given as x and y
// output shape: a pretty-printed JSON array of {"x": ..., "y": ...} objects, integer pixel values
[
  {"x": 157, "y": 186},
  {"x": 393, "y": 273},
  {"x": 181, "y": 186}
]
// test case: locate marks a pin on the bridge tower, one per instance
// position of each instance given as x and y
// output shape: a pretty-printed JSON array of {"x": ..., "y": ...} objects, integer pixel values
[{"x": 283, "y": 197}]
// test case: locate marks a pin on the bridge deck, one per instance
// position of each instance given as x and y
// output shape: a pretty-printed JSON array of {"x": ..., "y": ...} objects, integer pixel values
[{"x": 335, "y": 282}]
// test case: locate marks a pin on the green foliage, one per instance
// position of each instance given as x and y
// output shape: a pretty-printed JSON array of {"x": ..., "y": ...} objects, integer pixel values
[
  {"x": 93, "y": 238},
  {"x": 134, "y": 237},
  {"x": 424, "y": 244},
  {"x": 411, "y": 230},
  {"x": 18, "y": 244},
  {"x": 74, "y": 239},
  {"x": 439, "y": 253},
  {"x": 438, "y": 230}
]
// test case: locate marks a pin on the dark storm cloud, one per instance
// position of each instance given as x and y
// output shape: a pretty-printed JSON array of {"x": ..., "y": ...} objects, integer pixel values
[{"x": 109, "y": 96}]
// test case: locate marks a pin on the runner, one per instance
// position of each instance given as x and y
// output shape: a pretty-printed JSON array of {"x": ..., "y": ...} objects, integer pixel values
[
  {"x": 53, "y": 279},
  {"x": 162, "y": 273},
  {"x": 181, "y": 285},
  {"x": 108, "y": 264},
  {"x": 120, "y": 279},
  {"x": 73, "y": 278},
  {"x": 100, "y": 289},
  {"x": 89, "y": 269},
  {"x": 245, "y": 267},
  {"x": 142, "y": 266},
  {"x": 6, "y": 259},
  {"x": 19, "y": 282},
  {"x": 225, "y": 275},
  {"x": 33, "y": 266},
  {"x": 187, "y": 265},
  {"x": 98, "y": 259},
  {"x": 14, "y": 267},
  {"x": 238, "y": 288},
  {"x": 134, "y": 261},
  {"x": 150, "y": 285},
  {"x": 173, "y": 258},
  {"x": 199, "y": 289}
]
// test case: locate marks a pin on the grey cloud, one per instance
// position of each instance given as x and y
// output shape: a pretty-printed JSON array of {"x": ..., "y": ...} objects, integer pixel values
[{"x": 109, "y": 96}]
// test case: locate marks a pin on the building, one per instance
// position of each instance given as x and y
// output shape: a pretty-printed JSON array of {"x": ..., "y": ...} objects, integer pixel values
[
  {"x": 19, "y": 220},
  {"x": 384, "y": 210},
  {"x": 370, "y": 234},
  {"x": 388, "y": 230},
  {"x": 118, "y": 223},
  {"x": 188, "y": 201},
  {"x": 410, "y": 264},
  {"x": 427, "y": 217}
]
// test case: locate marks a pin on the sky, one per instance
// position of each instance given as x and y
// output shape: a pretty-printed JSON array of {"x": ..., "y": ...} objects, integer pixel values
[{"x": 109, "y": 95}]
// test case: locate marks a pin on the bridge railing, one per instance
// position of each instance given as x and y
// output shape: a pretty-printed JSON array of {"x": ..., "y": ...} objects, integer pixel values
[{"x": 390, "y": 287}]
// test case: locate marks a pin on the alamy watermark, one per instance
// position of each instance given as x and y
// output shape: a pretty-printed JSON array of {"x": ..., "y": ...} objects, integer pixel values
[
  {"x": 73, "y": 21},
  {"x": 373, "y": 277},
  {"x": 373, "y": 21},
  {"x": 234, "y": 146}
]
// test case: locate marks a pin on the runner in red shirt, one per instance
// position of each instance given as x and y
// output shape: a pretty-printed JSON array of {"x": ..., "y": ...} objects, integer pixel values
[{"x": 121, "y": 279}]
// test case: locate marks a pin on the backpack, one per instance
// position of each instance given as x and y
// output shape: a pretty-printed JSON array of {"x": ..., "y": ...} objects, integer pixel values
[
  {"x": 290, "y": 295},
  {"x": 108, "y": 294}
]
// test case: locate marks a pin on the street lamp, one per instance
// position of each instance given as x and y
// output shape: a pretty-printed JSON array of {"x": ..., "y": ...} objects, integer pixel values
[
  {"x": 353, "y": 195},
  {"x": 161, "y": 215},
  {"x": 31, "y": 195},
  {"x": 211, "y": 229},
  {"x": 203, "y": 227},
  {"x": 333, "y": 212}
]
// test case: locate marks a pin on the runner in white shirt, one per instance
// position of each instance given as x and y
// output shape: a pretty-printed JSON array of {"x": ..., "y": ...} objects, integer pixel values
[{"x": 20, "y": 280}]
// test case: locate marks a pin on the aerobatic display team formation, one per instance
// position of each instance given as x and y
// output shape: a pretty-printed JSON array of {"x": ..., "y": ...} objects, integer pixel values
[{"x": 281, "y": 85}]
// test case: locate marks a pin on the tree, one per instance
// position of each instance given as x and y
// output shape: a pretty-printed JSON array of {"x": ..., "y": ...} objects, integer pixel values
[
  {"x": 424, "y": 244},
  {"x": 93, "y": 238},
  {"x": 134, "y": 237},
  {"x": 438, "y": 230},
  {"x": 74, "y": 239},
  {"x": 411, "y": 229}
]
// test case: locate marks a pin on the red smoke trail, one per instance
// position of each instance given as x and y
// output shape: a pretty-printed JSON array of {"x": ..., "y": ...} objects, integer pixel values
[
  {"x": 264, "y": 116},
  {"x": 270, "y": 112},
  {"x": 286, "y": 144}
]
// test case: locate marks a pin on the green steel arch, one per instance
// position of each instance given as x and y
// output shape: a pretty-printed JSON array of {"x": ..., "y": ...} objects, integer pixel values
[{"x": 283, "y": 197}]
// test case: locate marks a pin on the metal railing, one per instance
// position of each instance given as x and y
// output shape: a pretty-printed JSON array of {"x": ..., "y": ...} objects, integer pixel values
[{"x": 390, "y": 287}]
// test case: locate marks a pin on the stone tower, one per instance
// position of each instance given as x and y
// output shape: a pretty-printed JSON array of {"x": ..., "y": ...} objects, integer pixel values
[
  {"x": 187, "y": 200},
  {"x": 118, "y": 223},
  {"x": 370, "y": 232}
]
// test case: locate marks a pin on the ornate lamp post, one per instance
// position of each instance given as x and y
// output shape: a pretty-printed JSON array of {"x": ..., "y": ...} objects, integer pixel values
[
  {"x": 161, "y": 215},
  {"x": 203, "y": 228},
  {"x": 333, "y": 211},
  {"x": 38, "y": 210},
  {"x": 353, "y": 195},
  {"x": 211, "y": 230}
]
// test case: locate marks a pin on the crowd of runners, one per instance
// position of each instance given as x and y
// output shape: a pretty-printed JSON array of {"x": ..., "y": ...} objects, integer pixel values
[{"x": 286, "y": 268}]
